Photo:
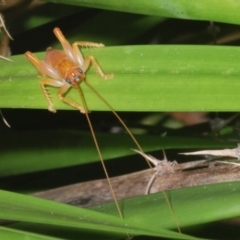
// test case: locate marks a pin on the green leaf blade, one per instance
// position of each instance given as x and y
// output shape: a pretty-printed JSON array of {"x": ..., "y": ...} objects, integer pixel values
[
  {"x": 219, "y": 11},
  {"x": 147, "y": 78}
]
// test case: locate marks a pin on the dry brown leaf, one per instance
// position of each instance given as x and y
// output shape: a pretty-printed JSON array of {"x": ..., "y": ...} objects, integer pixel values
[{"x": 235, "y": 152}]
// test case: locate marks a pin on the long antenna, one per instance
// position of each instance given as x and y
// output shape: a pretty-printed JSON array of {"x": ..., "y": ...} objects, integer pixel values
[
  {"x": 117, "y": 116},
  {"x": 98, "y": 149},
  {"x": 137, "y": 144}
]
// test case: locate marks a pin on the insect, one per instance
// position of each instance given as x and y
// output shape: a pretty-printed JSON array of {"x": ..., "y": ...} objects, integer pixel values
[{"x": 67, "y": 69}]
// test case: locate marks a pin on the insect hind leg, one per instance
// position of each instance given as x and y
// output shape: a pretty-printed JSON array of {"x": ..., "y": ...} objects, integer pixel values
[{"x": 43, "y": 68}]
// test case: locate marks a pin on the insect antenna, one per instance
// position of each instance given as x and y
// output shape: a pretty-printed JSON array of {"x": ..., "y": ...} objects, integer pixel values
[
  {"x": 137, "y": 144},
  {"x": 98, "y": 149},
  {"x": 117, "y": 116}
]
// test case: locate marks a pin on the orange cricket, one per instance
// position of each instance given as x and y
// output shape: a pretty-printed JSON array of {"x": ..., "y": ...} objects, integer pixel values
[{"x": 65, "y": 69}]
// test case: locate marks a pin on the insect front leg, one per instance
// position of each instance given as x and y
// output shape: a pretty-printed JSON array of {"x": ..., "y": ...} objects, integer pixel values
[
  {"x": 63, "y": 90},
  {"x": 90, "y": 59},
  {"x": 53, "y": 83}
]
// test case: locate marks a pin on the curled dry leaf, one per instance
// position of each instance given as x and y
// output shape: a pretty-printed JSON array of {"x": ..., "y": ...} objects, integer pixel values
[
  {"x": 4, "y": 49},
  {"x": 161, "y": 166},
  {"x": 235, "y": 152},
  {"x": 186, "y": 174},
  {"x": 4, "y": 119}
]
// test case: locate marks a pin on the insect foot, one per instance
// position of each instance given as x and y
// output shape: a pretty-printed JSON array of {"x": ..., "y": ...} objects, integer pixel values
[
  {"x": 108, "y": 76},
  {"x": 51, "y": 109}
]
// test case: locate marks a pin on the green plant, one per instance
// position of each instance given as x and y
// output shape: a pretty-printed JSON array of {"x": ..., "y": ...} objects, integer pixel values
[{"x": 151, "y": 78}]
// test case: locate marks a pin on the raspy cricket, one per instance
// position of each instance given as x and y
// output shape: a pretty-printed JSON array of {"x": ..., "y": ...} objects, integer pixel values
[{"x": 67, "y": 69}]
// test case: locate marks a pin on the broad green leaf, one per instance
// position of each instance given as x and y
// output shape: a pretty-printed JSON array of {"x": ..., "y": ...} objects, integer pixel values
[
  {"x": 94, "y": 25},
  {"x": 147, "y": 78},
  {"x": 192, "y": 206},
  {"x": 106, "y": 33},
  {"x": 29, "y": 209},
  {"x": 44, "y": 14},
  {"x": 216, "y": 10}
]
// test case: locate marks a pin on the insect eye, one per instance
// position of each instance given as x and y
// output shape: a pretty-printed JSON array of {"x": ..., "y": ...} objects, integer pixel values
[
  {"x": 80, "y": 70},
  {"x": 68, "y": 80}
]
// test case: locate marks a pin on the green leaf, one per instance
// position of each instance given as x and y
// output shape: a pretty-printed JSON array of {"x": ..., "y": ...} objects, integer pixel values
[
  {"x": 7, "y": 233},
  {"x": 147, "y": 78},
  {"x": 142, "y": 215},
  {"x": 215, "y": 10},
  {"x": 29, "y": 209},
  {"x": 94, "y": 25},
  {"x": 44, "y": 14},
  {"x": 192, "y": 206}
]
